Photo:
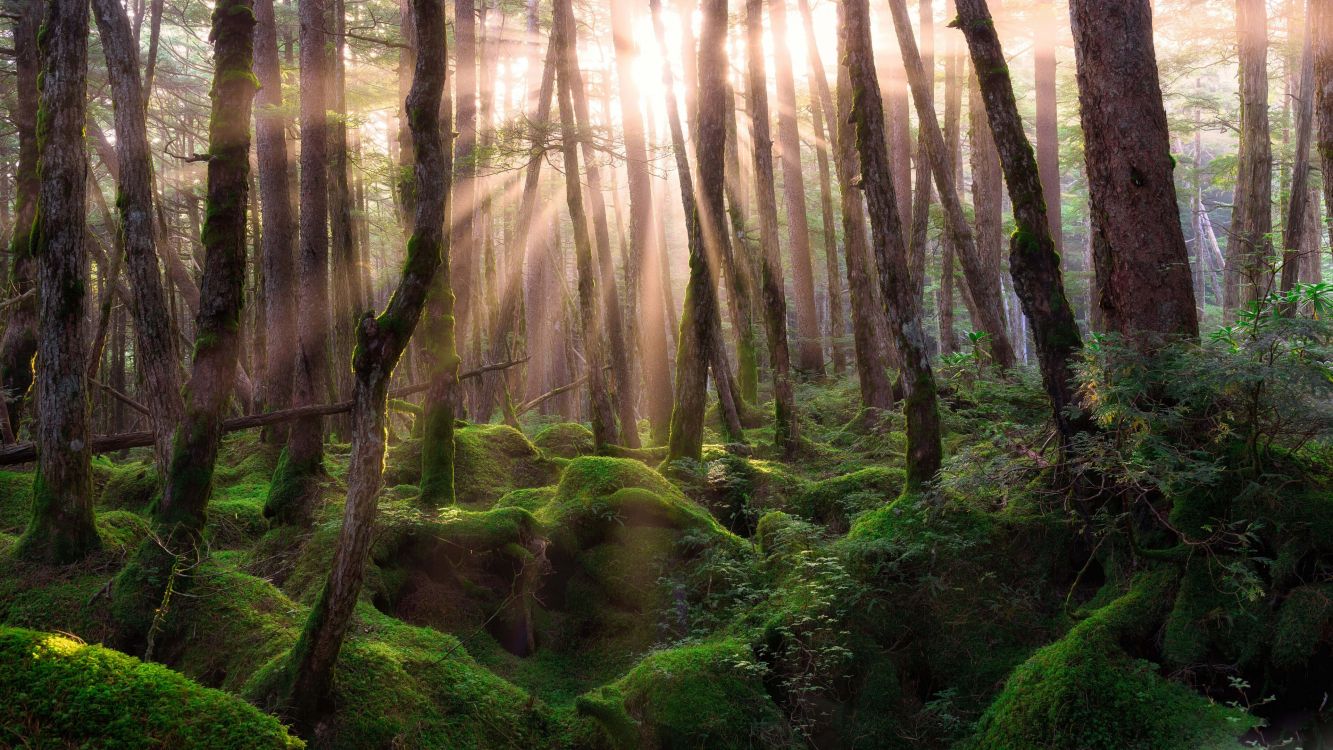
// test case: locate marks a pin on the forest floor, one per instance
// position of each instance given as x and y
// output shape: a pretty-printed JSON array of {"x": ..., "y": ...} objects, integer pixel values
[{"x": 572, "y": 600}]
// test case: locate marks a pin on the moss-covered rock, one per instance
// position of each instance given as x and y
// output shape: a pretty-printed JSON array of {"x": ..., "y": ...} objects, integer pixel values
[
  {"x": 837, "y": 500},
  {"x": 565, "y": 440},
  {"x": 489, "y": 461},
  {"x": 130, "y": 486},
  {"x": 705, "y": 695},
  {"x": 63, "y": 693},
  {"x": 1087, "y": 690}
]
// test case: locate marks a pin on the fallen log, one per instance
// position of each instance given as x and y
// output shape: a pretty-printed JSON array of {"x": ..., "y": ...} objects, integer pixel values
[{"x": 20, "y": 453}]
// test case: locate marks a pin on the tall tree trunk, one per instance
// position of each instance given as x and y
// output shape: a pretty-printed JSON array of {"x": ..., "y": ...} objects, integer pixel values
[
  {"x": 464, "y": 200},
  {"x": 61, "y": 529},
  {"x": 156, "y": 356},
  {"x": 786, "y": 426},
  {"x": 953, "y": 137},
  {"x": 1034, "y": 263},
  {"x": 919, "y": 239},
  {"x": 275, "y": 205},
  {"x": 305, "y": 686},
  {"x": 145, "y": 587},
  {"x": 1322, "y": 32},
  {"x": 1045, "y": 34},
  {"x": 347, "y": 302},
  {"x": 983, "y": 278},
  {"x": 1249, "y": 249},
  {"x": 294, "y": 489},
  {"x": 20, "y": 339},
  {"x": 1293, "y": 238},
  {"x": 920, "y": 407},
  {"x": 1139, "y": 250},
  {"x": 601, "y": 408},
  {"x": 644, "y": 249},
  {"x": 809, "y": 352},
  {"x": 738, "y": 264}
]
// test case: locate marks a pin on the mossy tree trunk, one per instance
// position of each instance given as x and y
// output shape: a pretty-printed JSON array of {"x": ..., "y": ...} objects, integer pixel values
[
  {"x": 1034, "y": 263},
  {"x": 20, "y": 338},
  {"x": 602, "y": 411},
  {"x": 953, "y": 139},
  {"x": 275, "y": 204},
  {"x": 1143, "y": 276},
  {"x": 294, "y": 489},
  {"x": 785, "y": 424},
  {"x": 145, "y": 587},
  {"x": 348, "y": 297},
  {"x": 810, "y": 353},
  {"x": 306, "y": 686},
  {"x": 1322, "y": 33},
  {"x": 61, "y": 529},
  {"x": 918, "y": 240},
  {"x": 156, "y": 355},
  {"x": 739, "y": 265},
  {"x": 1293, "y": 235},
  {"x": 644, "y": 250},
  {"x": 1046, "y": 34},
  {"x": 920, "y": 408},
  {"x": 983, "y": 279}
]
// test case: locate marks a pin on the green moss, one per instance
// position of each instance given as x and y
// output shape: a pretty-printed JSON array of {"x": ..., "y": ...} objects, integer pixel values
[
  {"x": 60, "y": 692},
  {"x": 130, "y": 486},
  {"x": 1087, "y": 691},
  {"x": 1302, "y": 626},
  {"x": 705, "y": 695},
  {"x": 565, "y": 440},
  {"x": 295, "y": 485},
  {"x": 835, "y": 501},
  {"x": 15, "y": 500},
  {"x": 531, "y": 499},
  {"x": 488, "y": 461}
]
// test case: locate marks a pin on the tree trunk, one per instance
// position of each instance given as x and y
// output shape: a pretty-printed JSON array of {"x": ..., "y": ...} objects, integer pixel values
[
  {"x": 464, "y": 198},
  {"x": 156, "y": 356},
  {"x": 810, "y": 355},
  {"x": 600, "y": 400},
  {"x": 275, "y": 204},
  {"x": 145, "y": 587},
  {"x": 1045, "y": 35},
  {"x": 953, "y": 137},
  {"x": 1250, "y": 249},
  {"x": 786, "y": 425},
  {"x": 20, "y": 339},
  {"x": 347, "y": 302},
  {"x": 919, "y": 239},
  {"x": 61, "y": 529},
  {"x": 1034, "y": 263},
  {"x": 1322, "y": 32},
  {"x": 983, "y": 278},
  {"x": 920, "y": 408},
  {"x": 1293, "y": 238},
  {"x": 1139, "y": 249},
  {"x": 293, "y": 491},
  {"x": 644, "y": 248},
  {"x": 306, "y": 684}
]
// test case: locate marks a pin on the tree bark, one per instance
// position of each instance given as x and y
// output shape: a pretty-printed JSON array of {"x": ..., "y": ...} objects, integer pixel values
[
  {"x": 983, "y": 279},
  {"x": 1293, "y": 237},
  {"x": 1047, "y": 31},
  {"x": 1250, "y": 249},
  {"x": 156, "y": 355},
  {"x": 61, "y": 529},
  {"x": 306, "y": 684},
  {"x": 276, "y": 208},
  {"x": 953, "y": 137},
  {"x": 1322, "y": 33},
  {"x": 919, "y": 239},
  {"x": 786, "y": 425},
  {"x": 293, "y": 491},
  {"x": 1034, "y": 263},
  {"x": 920, "y": 407},
  {"x": 601, "y": 408},
  {"x": 348, "y": 304},
  {"x": 1139, "y": 250},
  {"x": 20, "y": 339},
  {"x": 810, "y": 354},
  {"x": 644, "y": 248}
]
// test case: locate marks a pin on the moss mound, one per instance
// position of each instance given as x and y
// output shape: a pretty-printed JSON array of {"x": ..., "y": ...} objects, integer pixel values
[
  {"x": 490, "y": 460},
  {"x": 836, "y": 501},
  {"x": 705, "y": 695},
  {"x": 131, "y": 486},
  {"x": 565, "y": 440},
  {"x": 63, "y": 693},
  {"x": 1087, "y": 690}
]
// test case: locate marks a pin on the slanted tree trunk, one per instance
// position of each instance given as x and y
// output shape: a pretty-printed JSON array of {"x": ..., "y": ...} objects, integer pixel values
[
  {"x": 20, "y": 339},
  {"x": 305, "y": 686},
  {"x": 1249, "y": 250},
  {"x": 786, "y": 425},
  {"x": 644, "y": 249},
  {"x": 1142, "y": 265},
  {"x": 983, "y": 279},
  {"x": 294, "y": 489},
  {"x": 953, "y": 137},
  {"x": 157, "y": 358},
  {"x": 1293, "y": 237},
  {"x": 1034, "y": 263},
  {"x": 275, "y": 204},
  {"x": 809, "y": 352},
  {"x": 920, "y": 407},
  {"x": 61, "y": 528},
  {"x": 602, "y": 412},
  {"x": 145, "y": 587}
]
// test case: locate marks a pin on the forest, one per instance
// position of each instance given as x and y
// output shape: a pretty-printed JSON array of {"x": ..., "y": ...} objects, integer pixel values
[{"x": 666, "y": 374}]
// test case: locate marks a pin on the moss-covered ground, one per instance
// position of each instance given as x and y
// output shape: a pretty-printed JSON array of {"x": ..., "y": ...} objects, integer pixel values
[{"x": 571, "y": 600}]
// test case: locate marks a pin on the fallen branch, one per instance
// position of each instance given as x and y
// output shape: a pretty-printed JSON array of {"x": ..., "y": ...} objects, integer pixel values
[
  {"x": 24, "y": 452},
  {"x": 538, "y": 401}
]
